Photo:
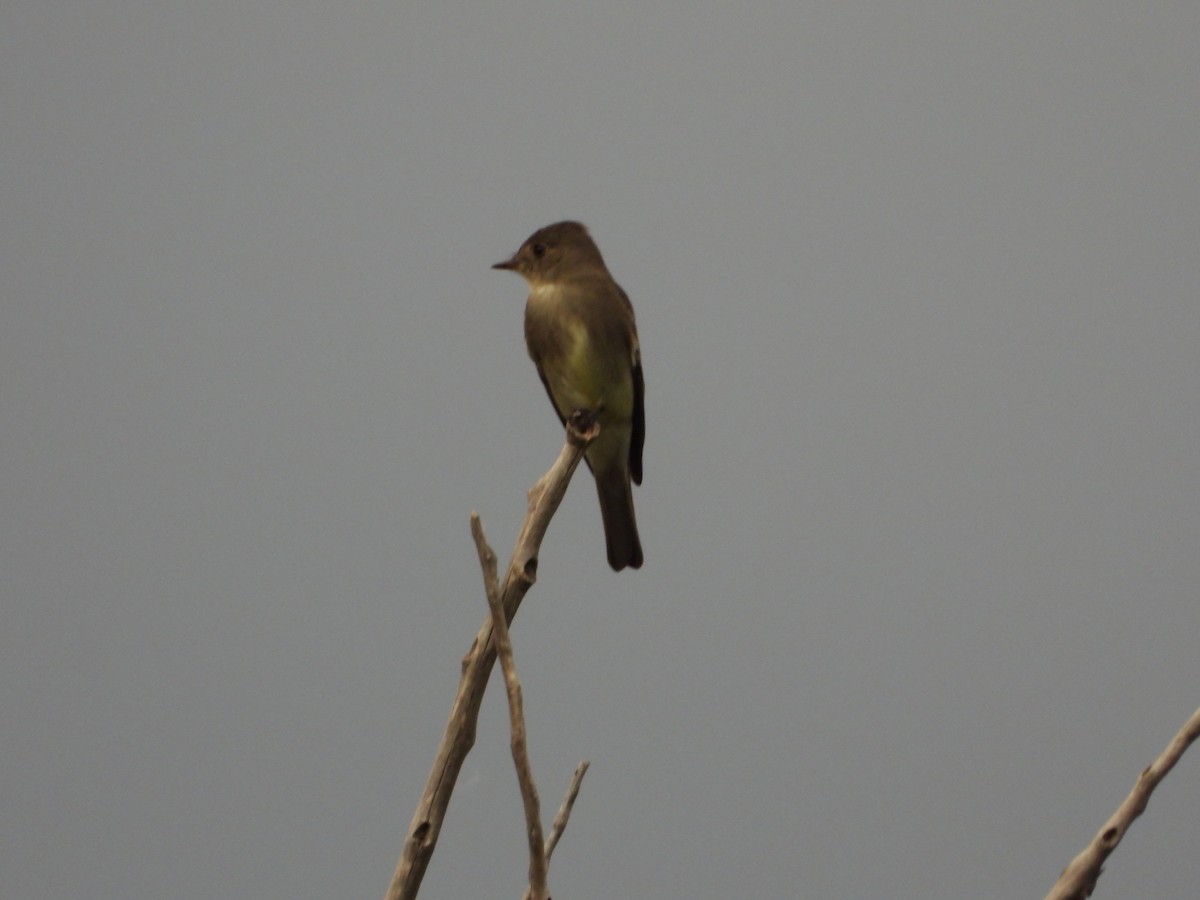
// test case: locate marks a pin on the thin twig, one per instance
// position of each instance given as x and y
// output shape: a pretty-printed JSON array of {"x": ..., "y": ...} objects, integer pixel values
[
  {"x": 421, "y": 839},
  {"x": 564, "y": 811},
  {"x": 1078, "y": 879}
]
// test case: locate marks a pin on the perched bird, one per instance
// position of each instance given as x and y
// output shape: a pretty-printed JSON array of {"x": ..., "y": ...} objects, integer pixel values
[{"x": 581, "y": 335}]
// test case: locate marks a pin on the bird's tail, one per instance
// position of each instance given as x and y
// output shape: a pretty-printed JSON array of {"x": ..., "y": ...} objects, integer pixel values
[{"x": 620, "y": 527}]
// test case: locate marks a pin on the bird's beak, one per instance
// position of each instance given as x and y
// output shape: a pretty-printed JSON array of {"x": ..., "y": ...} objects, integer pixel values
[{"x": 508, "y": 265}]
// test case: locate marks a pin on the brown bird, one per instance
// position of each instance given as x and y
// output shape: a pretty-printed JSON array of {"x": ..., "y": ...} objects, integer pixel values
[{"x": 580, "y": 332}]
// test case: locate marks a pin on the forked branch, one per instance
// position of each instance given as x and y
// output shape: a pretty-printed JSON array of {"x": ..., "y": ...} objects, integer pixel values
[{"x": 459, "y": 737}]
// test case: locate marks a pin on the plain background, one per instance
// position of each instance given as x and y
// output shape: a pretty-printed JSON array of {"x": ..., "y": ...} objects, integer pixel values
[{"x": 917, "y": 287}]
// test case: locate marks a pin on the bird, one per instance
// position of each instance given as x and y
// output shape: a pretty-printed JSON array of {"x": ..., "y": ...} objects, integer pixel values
[{"x": 581, "y": 335}]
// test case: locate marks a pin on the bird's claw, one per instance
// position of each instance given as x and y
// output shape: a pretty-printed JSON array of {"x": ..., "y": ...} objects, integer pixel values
[{"x": 582, "y": 419}]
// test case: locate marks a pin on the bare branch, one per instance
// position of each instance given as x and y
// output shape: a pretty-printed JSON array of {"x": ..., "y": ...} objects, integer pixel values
[
  {"x": 1078, "y": 879},
  {"x": 487, "y": 560},
  {"x": 561, "y": 817},
  {"x": 564, "y": 811},
  {"x": 421, "y": 839},
  {"x": 516, "y": 718}
]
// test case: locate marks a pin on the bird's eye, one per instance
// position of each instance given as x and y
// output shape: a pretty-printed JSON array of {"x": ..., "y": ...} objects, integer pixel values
[{"x": 539, "y": 250}]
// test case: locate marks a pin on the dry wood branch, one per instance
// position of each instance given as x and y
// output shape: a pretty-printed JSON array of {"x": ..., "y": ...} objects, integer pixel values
[
  {"x": 516, "y": 718},
  {"x": 563, "y": 814},
  {"x": 564, "y": 811},
  {"x": 421, "y": 839},
  {"x": 1078, "y": 879}
]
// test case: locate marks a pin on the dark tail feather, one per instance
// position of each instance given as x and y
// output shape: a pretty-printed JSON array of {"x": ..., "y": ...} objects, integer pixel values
[{"x": 620, "y": 528}]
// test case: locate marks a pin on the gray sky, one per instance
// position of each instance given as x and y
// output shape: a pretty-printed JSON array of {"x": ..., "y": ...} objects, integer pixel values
[{"x": 917, "y": 291}]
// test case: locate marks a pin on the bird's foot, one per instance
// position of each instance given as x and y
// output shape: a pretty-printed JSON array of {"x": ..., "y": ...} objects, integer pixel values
[
  {"x": 582, "y": 425},
  {"x": 582, "y": 419}
]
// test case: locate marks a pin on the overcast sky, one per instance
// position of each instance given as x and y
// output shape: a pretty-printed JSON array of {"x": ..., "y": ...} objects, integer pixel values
[{"x": 917, "y": 286}]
